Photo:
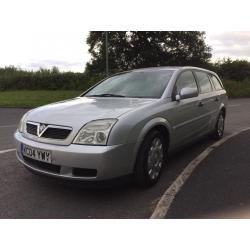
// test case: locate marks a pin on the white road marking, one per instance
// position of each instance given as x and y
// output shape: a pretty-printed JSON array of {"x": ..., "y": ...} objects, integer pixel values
[
  {"x": 7, "y": 150},
  {"x": 8, "y": 126},
  {"x": 233, "y": 105},
  {"x": 167, "y": 198}
]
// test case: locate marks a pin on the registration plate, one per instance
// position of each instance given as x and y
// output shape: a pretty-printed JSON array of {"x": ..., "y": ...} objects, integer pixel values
[{"x": 36, "y": 154}]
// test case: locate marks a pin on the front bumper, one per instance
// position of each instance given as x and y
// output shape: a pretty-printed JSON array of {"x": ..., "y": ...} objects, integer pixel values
[{"x": 73, "y": 161}]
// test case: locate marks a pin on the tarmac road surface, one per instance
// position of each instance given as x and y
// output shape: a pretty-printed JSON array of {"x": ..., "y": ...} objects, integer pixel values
[{"x": 24, "y": 195}]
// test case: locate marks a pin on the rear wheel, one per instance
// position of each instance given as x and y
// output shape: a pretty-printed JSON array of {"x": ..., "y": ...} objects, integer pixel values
[
  {"x": 151, "y": 159},
  {"x": 219, "y": 128}
]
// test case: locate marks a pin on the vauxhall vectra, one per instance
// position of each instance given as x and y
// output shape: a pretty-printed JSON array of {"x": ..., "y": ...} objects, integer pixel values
[{"x": 124, "y": 125}]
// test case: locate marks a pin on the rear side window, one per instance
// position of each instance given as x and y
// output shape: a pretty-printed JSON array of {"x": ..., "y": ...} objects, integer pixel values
[
  {"x": 185, "y": 80},
  {"x": 216, "y": 82},
  {"x": 204, "y": 82}
]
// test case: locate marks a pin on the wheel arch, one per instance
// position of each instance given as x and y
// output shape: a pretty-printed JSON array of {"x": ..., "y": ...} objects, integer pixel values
[
  {"x": 156, "y": 123},
  {"x": 223, "y": 109}
]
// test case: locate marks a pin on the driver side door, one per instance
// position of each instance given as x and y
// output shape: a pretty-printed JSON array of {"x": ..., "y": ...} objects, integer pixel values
[{"x": 185, "y": 115}]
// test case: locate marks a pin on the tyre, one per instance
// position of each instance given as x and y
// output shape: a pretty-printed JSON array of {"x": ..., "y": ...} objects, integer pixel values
[
  {"x": 151, "y": 159},
  {"x": 219, "y": 127}
]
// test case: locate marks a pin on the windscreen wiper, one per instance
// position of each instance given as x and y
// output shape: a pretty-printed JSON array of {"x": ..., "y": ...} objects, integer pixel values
[{"x": 106, "y": 95}]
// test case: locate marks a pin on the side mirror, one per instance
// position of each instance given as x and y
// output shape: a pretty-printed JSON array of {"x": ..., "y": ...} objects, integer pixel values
[{"x": 187, "y": 93}]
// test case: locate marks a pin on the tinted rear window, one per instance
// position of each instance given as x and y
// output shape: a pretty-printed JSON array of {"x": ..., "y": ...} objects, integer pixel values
[{"x": 216, "y": 82}]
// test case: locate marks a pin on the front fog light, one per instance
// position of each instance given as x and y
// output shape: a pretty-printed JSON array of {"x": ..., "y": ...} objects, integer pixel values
[{"x": 95, "y": 132}]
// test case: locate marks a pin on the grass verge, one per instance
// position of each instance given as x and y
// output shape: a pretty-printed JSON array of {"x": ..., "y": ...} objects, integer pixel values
[{"x": 34, "y": 98}]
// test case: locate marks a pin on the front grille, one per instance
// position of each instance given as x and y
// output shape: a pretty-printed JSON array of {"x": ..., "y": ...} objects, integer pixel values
[
  {"x": 31, "y": 128},
  {"x": 50, "y": 132},
  {"x": 55, "y": 133},
  {"x": 43, "y": 165}
]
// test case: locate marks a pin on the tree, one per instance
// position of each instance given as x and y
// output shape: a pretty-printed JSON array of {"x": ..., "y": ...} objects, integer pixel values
[{"x": 138, "y": 49}]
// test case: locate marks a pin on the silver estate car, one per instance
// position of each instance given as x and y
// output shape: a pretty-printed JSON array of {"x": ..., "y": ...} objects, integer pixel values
[{"x": 124, "y": 125}]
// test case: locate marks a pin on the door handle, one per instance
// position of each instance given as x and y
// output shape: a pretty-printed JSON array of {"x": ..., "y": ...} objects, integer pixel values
[{"x": 200, "y": 104}]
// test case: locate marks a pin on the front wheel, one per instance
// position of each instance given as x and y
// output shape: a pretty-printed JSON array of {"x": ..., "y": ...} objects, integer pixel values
[{"x": 151, "y": 159}]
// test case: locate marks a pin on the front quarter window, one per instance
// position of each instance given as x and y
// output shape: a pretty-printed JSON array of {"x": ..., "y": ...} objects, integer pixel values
[{"x": 185, "y": 80}]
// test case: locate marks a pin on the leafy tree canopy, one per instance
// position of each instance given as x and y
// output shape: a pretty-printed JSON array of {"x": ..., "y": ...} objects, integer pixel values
[{"x": 138, "y": 49}]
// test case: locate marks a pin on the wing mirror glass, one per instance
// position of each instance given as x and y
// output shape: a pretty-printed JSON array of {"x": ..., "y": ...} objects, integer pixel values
[{"x": 186, "y": 93}]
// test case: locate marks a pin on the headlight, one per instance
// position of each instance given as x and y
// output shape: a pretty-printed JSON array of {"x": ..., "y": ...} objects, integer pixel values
[
  {"x": 21, "y": 125},
  {"x": 95, "y": 132}
]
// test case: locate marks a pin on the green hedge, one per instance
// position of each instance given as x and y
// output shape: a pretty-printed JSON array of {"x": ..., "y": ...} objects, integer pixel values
[
  {"x": 236, "y": 81},
  {"x": 16, "y": 79},
  {"x": 236, "y": 89}
]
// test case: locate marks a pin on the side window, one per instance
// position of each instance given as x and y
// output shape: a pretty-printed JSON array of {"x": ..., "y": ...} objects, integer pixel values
[
  {"x": 216, "y": 82},
  {"x": 204, "y": 82},
  {"x": 185, "y": 80}
]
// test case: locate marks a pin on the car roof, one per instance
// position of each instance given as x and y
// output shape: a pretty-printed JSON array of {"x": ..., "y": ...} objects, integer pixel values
[
  {"x": 175, "y": 68},
  {"x": 158, "y": 68}
]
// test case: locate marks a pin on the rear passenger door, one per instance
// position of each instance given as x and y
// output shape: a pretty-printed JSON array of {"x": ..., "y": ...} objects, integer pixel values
[{"x": 208, "y": 99}]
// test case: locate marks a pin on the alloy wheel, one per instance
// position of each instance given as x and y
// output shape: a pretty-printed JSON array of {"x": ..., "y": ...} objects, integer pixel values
[{"x": 155, "y": 158}]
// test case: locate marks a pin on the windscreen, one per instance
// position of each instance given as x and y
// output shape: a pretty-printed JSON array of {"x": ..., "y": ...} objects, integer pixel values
[{"x": 138, "y": 84}]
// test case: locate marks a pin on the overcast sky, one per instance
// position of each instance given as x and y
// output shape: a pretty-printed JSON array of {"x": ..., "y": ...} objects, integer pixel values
[
  {"x": 69, "y": 52},
  {"x": 229, "y": 44}
]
